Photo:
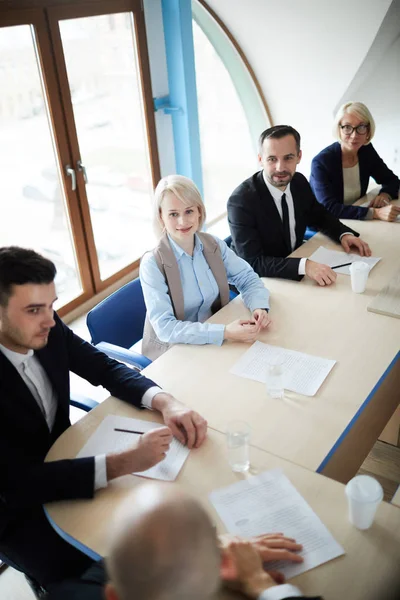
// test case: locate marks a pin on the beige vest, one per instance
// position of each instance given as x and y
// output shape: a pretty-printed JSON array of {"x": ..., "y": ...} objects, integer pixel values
[{"x": 166, "y": 261}]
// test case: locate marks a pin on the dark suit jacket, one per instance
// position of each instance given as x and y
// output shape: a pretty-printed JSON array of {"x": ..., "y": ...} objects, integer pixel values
[
  {"x": 327, "y": 179},
  {"x": 257, "y": 229},
  {"x": 26, "y": 481}
]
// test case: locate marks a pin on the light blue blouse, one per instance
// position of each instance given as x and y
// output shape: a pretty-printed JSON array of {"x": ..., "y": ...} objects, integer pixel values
[{"x": 200, "y": 289}]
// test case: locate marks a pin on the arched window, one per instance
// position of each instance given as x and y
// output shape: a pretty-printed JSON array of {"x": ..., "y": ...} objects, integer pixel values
[{"x": 232, "y": 114}]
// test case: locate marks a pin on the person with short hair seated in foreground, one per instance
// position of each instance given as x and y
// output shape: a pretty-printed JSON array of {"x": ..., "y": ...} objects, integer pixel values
[
  {"x": 37, "y": 353},
  {"x": 186, "y": 278},
  {"x": 164, "y": 547},
  {"x": 268, "y": 214},
  {"x": 340, "y": 173}
]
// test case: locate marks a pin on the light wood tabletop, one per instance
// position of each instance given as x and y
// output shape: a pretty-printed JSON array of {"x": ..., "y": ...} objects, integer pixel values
[
  {"x": 333, "y": 431},
  {"x": 368, "y": 569}
]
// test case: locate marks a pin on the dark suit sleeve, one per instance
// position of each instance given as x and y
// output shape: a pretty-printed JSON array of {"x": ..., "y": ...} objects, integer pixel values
[
  {"x": 97, "y": 368},
  {"x": 26, "y": 481},
  {"x": 319, "y": 217},
  {"x": 247, "y": 242},
  {"x": 323, "y": 188},
  {"x": 383, "y": 175}
]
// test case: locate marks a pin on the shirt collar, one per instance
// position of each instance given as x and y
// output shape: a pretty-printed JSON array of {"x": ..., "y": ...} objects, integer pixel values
[
  {"x": 179, "y": 252},
  {"x": 15, "y": 358},
  {"x": 275, "y": 192}
]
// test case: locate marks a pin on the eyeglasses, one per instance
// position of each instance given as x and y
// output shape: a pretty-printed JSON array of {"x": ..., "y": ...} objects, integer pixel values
[{"x": 360, "y": 129}]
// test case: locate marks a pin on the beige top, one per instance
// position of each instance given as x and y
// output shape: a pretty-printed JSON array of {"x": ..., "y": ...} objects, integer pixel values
[{"x": 351, "y": 184}]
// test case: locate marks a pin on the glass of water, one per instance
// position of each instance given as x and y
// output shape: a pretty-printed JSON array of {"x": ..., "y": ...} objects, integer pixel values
[
  {"x": 238, "y": 442},
  {"x": 274, "y": 378}
]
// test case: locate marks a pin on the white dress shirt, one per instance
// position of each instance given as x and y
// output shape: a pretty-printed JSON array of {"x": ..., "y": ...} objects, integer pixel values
[
  {"x": 277, "y": 194},
  {"x": 278, "y": 592},
  {"x": 38, "y": 383}
]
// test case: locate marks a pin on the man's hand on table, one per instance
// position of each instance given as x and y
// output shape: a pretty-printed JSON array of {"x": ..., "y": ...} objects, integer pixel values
[
  {"x": 352, "y": 242},
  {"x": 149, "y": 450},
  {"x": 185, "y": 424},
  {"x": 270, "y": 546},
  {"x": 320, "y": 273},
  {"x": 380, "y": 200},
  {"x": 242, "y": 569}
]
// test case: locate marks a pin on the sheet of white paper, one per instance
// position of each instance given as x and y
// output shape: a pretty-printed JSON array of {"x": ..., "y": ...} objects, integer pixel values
[
  {"x": 302, "y": 373},
  {"x": 105, "y": 440},
  {"x": 397, "y": 220},
  {"x": 269, "y": 502},
  {"x": 333, "y": 257}
]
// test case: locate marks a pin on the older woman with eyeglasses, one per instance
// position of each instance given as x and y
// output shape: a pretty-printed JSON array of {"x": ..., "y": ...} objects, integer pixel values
[{"x": 340, "y": 173}]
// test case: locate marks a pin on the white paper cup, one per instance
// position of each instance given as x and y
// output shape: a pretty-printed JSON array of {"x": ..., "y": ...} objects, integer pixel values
[
  {"x": 364, "y": 494},
  {"x": 359, "y": 272},
  {"x": 238, "y": 443}
]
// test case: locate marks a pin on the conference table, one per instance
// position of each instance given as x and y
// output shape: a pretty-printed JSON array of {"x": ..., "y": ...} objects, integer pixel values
[
  {"x": 333, "y": 431},
  {"x": 368, "y": 570},
  {"x": 308, "y": 437}
]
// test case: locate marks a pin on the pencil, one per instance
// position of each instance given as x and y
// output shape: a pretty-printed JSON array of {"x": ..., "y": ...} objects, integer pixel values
[
  {"x": 128, "y": 431},
  {"x": 343, "y": 265}
]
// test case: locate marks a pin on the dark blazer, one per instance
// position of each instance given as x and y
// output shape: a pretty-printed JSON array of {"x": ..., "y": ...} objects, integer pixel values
[
  {"x": 257, "y": 229},
  {"x": 327, "y": 179},
  {"x": 26, "y": 481}
]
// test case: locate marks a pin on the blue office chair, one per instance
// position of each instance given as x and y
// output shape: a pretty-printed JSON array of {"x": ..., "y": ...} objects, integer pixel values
[
  {"x": 117, "y": 323},
  {"x": 309, "y": 232}
]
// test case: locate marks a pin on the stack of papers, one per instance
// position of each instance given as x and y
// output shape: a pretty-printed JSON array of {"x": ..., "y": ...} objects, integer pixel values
[
  {"x": 106, "y": 440},
  {"x": 302, "y": 373},
  {"x": 268, "y": 503},
  {"x": 334, "y": 257}
]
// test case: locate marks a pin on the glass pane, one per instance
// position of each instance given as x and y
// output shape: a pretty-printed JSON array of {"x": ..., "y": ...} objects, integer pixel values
[
  {"x": 105, "y": 89},
  {"x": 227, "y": 151},
  {"x": 33, "y": 209}
]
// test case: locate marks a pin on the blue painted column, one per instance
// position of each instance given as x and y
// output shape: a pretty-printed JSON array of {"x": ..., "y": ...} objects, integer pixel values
[{"x": 178, "y": 32}]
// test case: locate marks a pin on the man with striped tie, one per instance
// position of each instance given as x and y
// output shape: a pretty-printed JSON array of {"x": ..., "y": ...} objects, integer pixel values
[{"x": 269, "y": 212}]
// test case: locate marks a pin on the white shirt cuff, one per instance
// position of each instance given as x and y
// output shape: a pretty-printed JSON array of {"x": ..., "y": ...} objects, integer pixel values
[
  {"x": 302, "y": 266},
  {"x": 147, "y": 398},
  {"x": 278, "y": 592},
  {"x": 346, "y": 233},
  {"x": 100, "y": 472}
]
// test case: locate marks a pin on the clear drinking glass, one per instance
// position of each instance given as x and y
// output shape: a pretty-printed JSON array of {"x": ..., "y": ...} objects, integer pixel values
[
  {"x": 274, "y": 378},
  {"x": 238, "y": 442}
]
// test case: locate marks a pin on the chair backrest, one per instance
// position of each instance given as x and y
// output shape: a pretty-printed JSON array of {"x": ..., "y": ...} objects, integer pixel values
[{"x": 119, "y": 319}]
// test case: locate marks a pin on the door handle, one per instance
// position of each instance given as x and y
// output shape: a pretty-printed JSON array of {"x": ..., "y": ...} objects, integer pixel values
[
  {"x": 82, "y": 169},
  {"x": 71, "y": 173}
]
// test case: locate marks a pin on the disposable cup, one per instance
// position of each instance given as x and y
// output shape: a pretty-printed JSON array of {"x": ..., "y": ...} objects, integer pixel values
[
  {"x": 359, "y": 272},
  {"x": 364, "y": 494}
]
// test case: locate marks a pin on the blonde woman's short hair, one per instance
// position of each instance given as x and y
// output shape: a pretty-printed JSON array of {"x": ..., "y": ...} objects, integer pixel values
[
  {"x": 185, "y": 190},
  {"x": 359, "y": 110}
]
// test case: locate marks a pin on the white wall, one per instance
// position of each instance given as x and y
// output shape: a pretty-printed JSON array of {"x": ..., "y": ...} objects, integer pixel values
[{"x": 304, "y": 54}]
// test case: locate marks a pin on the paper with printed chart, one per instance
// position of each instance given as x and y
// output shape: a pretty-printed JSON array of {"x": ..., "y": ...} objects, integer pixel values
[
  {"x": 366, "y": 204},
  {"x": 334, "y": 257},
  {"x": 302, "y": 373},
  {"x": 106, "y": 440},
  {"x": 269, "y": 502}
]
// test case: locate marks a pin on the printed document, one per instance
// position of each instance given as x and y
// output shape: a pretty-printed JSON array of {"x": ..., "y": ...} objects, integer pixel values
[
  {"x": 302, "y": 373},
  {"x": 334, "y": 257},
  {"x": 269, "y": 502},
  {"x": 105, "y": 440}
]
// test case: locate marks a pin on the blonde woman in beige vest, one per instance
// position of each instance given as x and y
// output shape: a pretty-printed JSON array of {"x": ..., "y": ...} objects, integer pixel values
[{"x": 186, "y": 278}]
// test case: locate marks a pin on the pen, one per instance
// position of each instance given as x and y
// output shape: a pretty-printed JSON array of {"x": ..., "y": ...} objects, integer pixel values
[
  {"x": 343, "y": 265},
  {"x": 128, "y": 431}
]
